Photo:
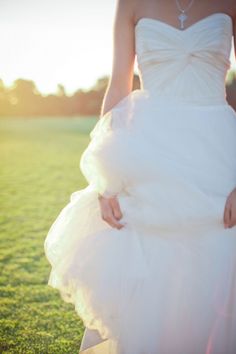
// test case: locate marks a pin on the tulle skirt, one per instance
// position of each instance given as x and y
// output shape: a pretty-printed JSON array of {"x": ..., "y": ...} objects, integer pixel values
[{"x": 165, "y": 283}]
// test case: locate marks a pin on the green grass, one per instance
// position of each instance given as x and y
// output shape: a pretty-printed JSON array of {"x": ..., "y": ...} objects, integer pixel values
[{"x": 39, "y": 170}]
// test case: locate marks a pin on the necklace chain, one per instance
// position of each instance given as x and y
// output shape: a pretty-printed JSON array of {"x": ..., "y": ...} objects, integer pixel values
[
  {"x": 183, "y": 16},
  {"x": 187, "y": 8}
]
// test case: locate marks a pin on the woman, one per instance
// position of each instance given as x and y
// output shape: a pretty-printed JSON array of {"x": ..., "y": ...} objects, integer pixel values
[{"x": 147, "y": 251}]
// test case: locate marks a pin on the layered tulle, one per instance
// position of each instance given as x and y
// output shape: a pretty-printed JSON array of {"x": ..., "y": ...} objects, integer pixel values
[{"x": 171, "y": 170}]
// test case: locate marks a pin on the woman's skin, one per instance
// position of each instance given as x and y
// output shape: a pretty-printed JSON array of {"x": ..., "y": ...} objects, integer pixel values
[{"x": 127, "y": 13}]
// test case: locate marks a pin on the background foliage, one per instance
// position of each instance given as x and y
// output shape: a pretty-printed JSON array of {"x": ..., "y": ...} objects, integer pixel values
[{"x": 24, "y": 100}]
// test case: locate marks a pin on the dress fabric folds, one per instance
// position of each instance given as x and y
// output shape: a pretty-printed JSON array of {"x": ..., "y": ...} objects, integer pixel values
[{"x": 166, "y": 282}]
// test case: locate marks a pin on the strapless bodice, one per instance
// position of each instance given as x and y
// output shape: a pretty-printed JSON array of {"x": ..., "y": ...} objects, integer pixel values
[{"x": 187, "y": 65}]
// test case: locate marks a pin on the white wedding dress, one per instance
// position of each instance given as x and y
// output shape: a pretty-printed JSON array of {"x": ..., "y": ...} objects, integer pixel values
[{"x": 166, "y": 282}]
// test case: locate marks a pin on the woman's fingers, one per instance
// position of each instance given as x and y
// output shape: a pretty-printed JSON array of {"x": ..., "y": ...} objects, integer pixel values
[
  {"x": 116, "y": 208},
  {"x": 227, "y": 214},
  {"x": 230, "y": 210},
  {"x": 110, "y": 212},
  {"x": 233, "y": 215},
  {"x": 109, "y": 217}
]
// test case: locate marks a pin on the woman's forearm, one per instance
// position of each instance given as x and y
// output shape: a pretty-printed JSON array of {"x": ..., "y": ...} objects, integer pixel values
[{"x": 114, "y": 93}]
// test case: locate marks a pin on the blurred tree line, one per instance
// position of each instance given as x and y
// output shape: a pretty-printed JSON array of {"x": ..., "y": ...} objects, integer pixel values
[{"x": 23, "y": 98}]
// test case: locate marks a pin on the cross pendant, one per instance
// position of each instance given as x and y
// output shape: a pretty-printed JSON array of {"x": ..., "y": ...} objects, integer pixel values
[{"x": 182, "y": 17}]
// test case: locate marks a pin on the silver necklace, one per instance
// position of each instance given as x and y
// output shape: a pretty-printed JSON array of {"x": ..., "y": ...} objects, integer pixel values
[{"x": 182, "y": 17}]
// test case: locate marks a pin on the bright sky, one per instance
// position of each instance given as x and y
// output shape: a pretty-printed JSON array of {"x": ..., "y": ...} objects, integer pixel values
[{"x": 57, "y": 41}]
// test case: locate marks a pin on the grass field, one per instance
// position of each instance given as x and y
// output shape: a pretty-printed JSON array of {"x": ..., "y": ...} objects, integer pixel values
[{"x": 39, "y": 170}]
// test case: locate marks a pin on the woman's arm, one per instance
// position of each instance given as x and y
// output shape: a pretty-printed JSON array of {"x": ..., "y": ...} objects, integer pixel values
[
  {"x": 121, "y": 79},
  {"x": 120, "y": 85},
  {"x": 234, "y": 31}
]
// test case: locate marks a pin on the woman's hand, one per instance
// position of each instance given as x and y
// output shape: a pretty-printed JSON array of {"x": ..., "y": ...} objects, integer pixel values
[
  {"x": 110, "y": 211},
  {"x": 230, "y": 210}
]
